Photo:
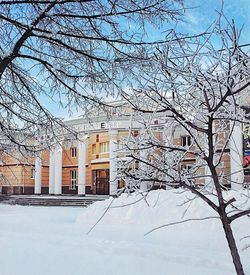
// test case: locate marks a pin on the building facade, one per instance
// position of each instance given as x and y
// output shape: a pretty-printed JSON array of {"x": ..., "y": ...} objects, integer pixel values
[{"x": 88, "y": 165}]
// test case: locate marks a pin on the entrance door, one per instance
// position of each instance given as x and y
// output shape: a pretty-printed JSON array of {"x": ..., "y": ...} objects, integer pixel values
[{"x": 101, "y": 181}]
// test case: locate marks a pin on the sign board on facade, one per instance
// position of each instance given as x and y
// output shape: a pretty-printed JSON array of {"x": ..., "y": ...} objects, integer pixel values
[{"x": 246, "y": 149}]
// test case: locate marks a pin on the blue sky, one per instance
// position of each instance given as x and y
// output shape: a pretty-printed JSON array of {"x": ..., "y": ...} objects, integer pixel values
[
  {"x": 197, "y": 19},
  {"x": 202, "y": 16}
]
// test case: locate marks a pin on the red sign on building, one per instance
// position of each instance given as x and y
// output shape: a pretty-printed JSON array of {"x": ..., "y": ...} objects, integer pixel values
[{"x": 246, "y": 149}]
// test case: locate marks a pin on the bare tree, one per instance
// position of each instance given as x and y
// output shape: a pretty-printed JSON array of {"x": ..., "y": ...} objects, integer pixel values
[
  {"x": 198, "y": 88},
  {"x": 70, "y": 53}
]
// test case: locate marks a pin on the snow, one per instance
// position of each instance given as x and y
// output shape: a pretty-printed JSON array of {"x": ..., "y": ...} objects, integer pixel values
[{"x": 53, "y": 240}]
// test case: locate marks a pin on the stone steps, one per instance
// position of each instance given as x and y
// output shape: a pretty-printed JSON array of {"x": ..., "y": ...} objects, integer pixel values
[
  {"x": 49, "y": 201},
  {"x": 4, "y": 198}
]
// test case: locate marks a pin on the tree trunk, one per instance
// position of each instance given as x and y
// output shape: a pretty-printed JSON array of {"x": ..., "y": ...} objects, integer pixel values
[{"x": 232, "y": 246}]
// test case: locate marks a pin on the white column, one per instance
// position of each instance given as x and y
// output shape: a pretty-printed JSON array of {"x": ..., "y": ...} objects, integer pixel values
[
  {"x": 143, "y": 168},
  {"x": 236, "y": 156},
  {"x": 52, "y": 171},
  {"x": 113, "y": 183},
  {"x": 207, "y": 172},
  {"x": 38, "y": 174},
  {"x": 208, "y": 177},
  {"x": 58, "y": 169},
  {"x": 82, "y": 151},
  {"x": 168, "y": 141}
]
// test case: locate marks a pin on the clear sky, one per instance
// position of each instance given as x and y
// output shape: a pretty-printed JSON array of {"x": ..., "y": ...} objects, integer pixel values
[
  {"x": 206, "y": 11},
  {"x": 200, "y": 15}
]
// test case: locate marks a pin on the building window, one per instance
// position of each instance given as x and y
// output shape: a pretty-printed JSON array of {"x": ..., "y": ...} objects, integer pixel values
[
  {"x": 186, "y": 167},
  {"x": 119, "y": 145},
  {"x": 97, "y": 138},
  {"x": 186, "y": 171},
  {"x": 185, "y": 141},
  {"x": 104, "y": 147},
  {"x": 32, "y": 176},
  {"x": 93, "y": 149},
  {"x": 135, "y": 133},
  {"x": 73, "y": 152},
  {"x": 121, "y": 183},
  {"x": 72, "y": 179}
]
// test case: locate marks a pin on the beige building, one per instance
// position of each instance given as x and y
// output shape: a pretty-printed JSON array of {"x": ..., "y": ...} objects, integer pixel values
[{"x": 89, "y": 165}]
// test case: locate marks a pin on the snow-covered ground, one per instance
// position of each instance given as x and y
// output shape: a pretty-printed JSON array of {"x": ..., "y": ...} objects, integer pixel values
[{"x": 46, "y": 241}]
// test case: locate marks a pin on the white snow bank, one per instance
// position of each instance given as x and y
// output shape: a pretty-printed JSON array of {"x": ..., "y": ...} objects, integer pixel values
[
  {"x": 157, "y": 208},
  {"x": 51, "y": 241},
  {"x": 203, "y": 238}
]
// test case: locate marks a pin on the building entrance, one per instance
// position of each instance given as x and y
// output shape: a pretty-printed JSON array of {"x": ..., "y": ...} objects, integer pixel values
[{"x": 100, "y": 180}]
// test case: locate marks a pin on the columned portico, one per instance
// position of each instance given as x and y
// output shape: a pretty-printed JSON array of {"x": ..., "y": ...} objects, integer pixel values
[
  {"x": 113, "y": 181},
  {"x": 58, "y": 169},
  {"x": 82, "y": 152},
  {"x": 52, "y": 171},
  {"x": 38, "y": 174},
  {"x": 236, "y": 156}
]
